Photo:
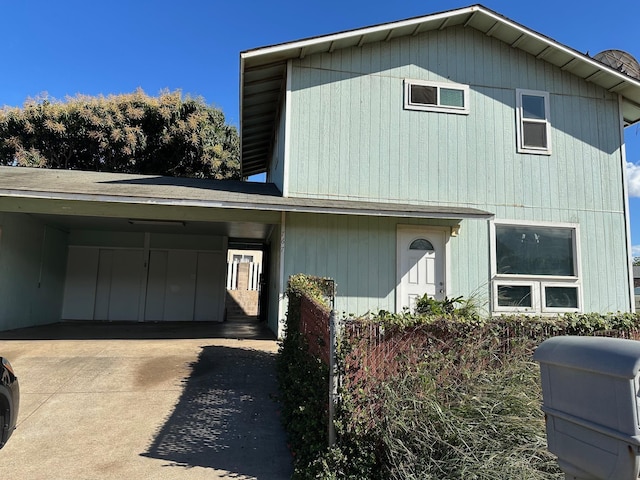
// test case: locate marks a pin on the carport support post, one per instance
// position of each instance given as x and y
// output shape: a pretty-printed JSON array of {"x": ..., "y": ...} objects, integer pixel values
[{"x": 333, "y": 375}]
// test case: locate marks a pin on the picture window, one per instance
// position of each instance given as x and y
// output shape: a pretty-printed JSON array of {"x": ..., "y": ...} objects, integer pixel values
[{"x": 535, "y": 268}]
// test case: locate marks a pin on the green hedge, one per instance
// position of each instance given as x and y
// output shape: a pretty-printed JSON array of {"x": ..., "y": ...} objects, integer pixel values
[
  {"x": 303, "y": 379},
  {"x": 461, "y": 398}
]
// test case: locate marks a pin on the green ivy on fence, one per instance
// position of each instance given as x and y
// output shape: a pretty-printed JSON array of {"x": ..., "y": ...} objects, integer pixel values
[{"x": 449, "y": 395}]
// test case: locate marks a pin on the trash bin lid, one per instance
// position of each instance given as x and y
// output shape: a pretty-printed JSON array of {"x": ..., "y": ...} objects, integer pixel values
[{"x": 609, "y": 356}]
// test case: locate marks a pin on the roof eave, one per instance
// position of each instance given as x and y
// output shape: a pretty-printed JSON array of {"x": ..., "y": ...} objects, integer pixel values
[{"x": 476, "y": 16}]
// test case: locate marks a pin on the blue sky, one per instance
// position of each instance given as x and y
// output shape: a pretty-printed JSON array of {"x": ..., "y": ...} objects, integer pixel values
[{"x": 66, "y": 47}]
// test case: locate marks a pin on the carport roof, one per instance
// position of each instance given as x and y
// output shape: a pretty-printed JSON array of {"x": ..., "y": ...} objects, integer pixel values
[{"x": 20, "y": 182}]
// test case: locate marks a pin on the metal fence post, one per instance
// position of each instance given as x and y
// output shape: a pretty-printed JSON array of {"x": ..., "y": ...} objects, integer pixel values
[
  {"x": 333, "y": 380},
  {"x": 334, "y": 331}
]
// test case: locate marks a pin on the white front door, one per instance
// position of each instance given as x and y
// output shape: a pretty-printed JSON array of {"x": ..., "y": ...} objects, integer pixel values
[{"x": 421, "y": 265}]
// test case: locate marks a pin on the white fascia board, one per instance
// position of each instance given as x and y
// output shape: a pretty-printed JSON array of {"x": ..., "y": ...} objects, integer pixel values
[
  {"x": 501, "y": 20},
  {"x": 240, "y": 104},
  {"x": 242, "y": 205},
  {"x": 559, "y": 46},
  {"x": 328, "y": 39}
]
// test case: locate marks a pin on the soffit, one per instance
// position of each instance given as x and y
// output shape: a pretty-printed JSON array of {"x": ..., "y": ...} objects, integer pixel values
[{"x": 263, "y": 70}]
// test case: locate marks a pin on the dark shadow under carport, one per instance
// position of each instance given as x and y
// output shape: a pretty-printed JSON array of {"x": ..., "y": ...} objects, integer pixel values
[
  {"x": 227, "y": 417},
  {"x": 250, "y": 329}
]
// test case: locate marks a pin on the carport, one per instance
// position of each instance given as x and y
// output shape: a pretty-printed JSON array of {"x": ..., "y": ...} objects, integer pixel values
[{"x": 118, "y": 247}]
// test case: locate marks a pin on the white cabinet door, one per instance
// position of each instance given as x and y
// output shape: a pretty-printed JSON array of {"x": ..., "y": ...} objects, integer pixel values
[
  {"x": 180, "y": 289},
  {"x": 210, "y": 287},
  {"x": 156, "y": 285},
  {"x": 109, "y": 284},
  {"x": 80, "y": 284},
  {"x": 126, "y": 284}
]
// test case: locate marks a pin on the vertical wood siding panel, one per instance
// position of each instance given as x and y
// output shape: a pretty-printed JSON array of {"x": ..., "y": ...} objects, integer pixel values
[
  {"x": 494, "y": 152},
  {"x": 361, "y": 174},
  {"x": 495, "y": 184},
  {"x": 383, "y": 146},
  {"x": 395, "y": 160},
  {"x": 594, "y": 263},
  {"x": 581, "y": 193},
  {"x": 404, "y": 132},
  {"x": 375, "y": 121},
  {"x": 295, "y": 146},
  {"x": 586, "y": 163},
  {"x": 334, "y": 120},
  {"x": 395, "y": 124},
  {"x": 354, "y": 273},
  {"x": 562, "y": 155},
  {"x": 612, "y": 176},
  {"x": 597, "y": 183},
  {"x": 509, "y": 141},
  {"x": 332, "y": 256},
  {"x": 367, "y": 254},
  {"x": 610, "y": 187},
  {"x": 355, "y": 120},
  {"x": 477, "y": 156},
  {"x": 344, "y": 122},
  {"x": 331, "y": 102},
  {"x": 301, "y": 148},
  {"x": 322, "y": 247},
  {"x": 470, "y": 276}
]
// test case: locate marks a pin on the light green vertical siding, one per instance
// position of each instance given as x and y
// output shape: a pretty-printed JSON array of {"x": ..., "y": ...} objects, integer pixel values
[
  {"x": 352, "y": 139},
  {"x": 32, "y": 268},
  {"x": 273, "y": 282},
  {"x": 275, "y": 172},
  {"x": 359, "y": 253}
]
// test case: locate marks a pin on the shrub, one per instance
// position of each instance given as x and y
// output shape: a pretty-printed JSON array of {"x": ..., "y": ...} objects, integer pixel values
[
  {"x": 445, "y": 395},
  {"x": 448, "y": 396},
  {"x": 303, "y": 380}
]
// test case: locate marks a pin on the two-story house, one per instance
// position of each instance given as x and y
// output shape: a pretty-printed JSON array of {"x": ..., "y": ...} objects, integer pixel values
[
  {"x": 458, "y": 153},
  {"x": 471, "y": 155}
]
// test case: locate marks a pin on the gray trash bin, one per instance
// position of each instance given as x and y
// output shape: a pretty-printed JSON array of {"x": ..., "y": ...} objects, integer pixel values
[{"x": 590, "y": 389}]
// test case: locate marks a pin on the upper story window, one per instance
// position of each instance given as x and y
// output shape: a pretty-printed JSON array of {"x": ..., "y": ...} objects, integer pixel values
[
  {"x": 534, "y": 125},
  {"x": 436, "y": 96}
]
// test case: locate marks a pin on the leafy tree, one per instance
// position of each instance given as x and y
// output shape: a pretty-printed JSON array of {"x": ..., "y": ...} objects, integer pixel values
[
  {"x": 126, "y": 133},
  {"x": 636, "y": 261}
]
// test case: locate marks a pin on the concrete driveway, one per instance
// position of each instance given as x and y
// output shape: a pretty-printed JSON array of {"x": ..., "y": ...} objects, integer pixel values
[{"x": 145, "y": 401}]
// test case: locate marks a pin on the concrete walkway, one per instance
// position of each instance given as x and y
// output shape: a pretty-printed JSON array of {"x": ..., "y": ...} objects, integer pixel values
[{"x": 145, "y": 401}]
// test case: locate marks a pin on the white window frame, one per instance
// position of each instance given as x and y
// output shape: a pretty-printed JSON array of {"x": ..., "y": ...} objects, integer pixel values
[
  {"x": 521, "y": 147},
  {"x": 538, "y": 282},
  {"x": 436, "y": 108},
  {"x": 535, "y": 297},
  {"x": 543, "y": 292}
]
